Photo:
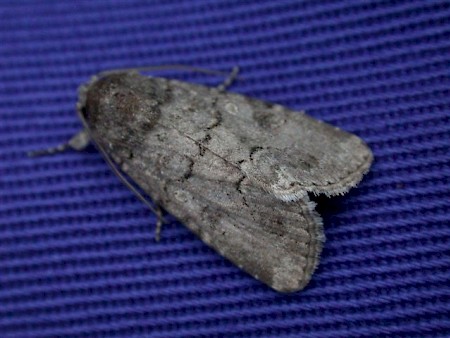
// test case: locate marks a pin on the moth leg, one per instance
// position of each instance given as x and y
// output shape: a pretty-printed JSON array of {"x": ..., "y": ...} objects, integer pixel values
[
  {"x": 229, "y": 79},
  {"x": 156, "y": 209},
  {"x": 78, "y": 142},
  {"x": 159, "y": 222}
]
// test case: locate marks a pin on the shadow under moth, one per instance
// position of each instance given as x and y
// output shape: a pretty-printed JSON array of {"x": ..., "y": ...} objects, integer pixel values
[{"x": 235, "y": 170}]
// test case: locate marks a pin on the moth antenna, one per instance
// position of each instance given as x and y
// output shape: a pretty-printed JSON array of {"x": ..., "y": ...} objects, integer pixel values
[
  {"x": 78, "y": 142},
  {"x": 229, "y": 79},
  {"x": 230, "y": 76},
  {"x": 157, "y": 211}
]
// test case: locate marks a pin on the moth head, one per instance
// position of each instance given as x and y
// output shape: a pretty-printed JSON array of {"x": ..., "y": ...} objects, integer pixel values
[{"x": 120, "y": 109}]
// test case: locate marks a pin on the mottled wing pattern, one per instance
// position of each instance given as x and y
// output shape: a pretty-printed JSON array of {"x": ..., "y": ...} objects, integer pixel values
[
  {"x": 287, "y": 153},
  {"x": 278, "y": 243},
  {"x": 220, "y": 162}
]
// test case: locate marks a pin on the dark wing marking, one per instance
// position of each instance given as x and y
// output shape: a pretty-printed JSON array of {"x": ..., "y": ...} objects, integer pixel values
[
  {"x": 287, "y": 153},
  {"x": 278, "y": 243}
]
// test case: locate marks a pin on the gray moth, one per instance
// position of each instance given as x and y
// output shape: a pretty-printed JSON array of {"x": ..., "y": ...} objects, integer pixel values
[{"x": 235, "y": 170}]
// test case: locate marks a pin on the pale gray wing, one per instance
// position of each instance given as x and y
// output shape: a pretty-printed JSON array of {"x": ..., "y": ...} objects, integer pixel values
[
  {"x": 287, "y": 153},
  {"x": 276, "y": 242},
  {"x": 294, "y": 153}
]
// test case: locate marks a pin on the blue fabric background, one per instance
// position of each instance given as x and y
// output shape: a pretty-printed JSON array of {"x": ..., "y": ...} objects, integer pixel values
[{"x": 77, "y": 254}]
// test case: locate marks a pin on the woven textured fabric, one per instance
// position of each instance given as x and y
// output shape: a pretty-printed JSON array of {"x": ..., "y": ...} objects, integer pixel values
[{"x": 77, "y": 250}]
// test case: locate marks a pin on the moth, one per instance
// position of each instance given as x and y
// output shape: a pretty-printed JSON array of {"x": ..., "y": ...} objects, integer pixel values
[{"x": 235, "y": 170}]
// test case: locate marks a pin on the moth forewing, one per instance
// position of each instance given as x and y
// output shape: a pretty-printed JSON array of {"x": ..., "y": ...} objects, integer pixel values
[{"x": 237, "y": 171}]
